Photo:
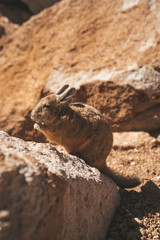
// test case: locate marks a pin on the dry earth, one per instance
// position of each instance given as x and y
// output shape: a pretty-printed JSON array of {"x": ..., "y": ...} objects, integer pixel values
[{"x": 139, "y": 214}]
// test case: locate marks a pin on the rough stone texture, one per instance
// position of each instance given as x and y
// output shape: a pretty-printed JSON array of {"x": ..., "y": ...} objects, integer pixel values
[
  {"x": 6, "y": 30},
  {"x": 48, "y": 194},
  {"x": 130, "y": 99},
  {"x": 132, "y": 140},
  {"x": 145, "y": 78},
  {"x": 125, "y": 107},
  {"x": 100, "y": 37}
]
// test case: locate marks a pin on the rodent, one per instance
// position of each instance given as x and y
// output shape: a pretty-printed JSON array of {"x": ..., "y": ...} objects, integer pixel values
[{"x": 81, "y": 129}]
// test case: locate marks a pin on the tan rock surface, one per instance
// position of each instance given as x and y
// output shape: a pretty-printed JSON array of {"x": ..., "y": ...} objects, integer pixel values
[
  {"x": 132, "y": 140},
  {"x": 6, "y": 30},
  {"x": 130, "y": 99},
  {"x": 125, "y": 107},
  {"x": 81, "y": 36},
  {"x": 48, "y": 194}
]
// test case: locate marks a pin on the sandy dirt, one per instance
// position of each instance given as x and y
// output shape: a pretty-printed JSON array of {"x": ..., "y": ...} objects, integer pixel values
[{"x": 138, "y": 216}]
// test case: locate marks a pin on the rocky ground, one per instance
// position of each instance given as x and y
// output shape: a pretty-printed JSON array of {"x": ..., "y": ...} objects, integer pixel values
[
  {"x": 110, "y": 51},
  {"x": 138, "y": 216}
]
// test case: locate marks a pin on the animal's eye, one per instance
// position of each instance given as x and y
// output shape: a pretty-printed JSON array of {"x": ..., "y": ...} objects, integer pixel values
[{"x": 47, "y": 106}]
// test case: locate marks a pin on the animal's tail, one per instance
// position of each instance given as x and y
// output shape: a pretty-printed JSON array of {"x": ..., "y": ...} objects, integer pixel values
[{"x": 120, "y": 180}]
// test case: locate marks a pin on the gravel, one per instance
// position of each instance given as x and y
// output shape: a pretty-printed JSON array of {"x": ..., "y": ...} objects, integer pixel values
[{"x": 138, "y": 216}]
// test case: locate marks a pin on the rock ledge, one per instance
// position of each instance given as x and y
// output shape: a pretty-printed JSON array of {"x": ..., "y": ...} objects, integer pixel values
[{"x": 49, "y": 194}]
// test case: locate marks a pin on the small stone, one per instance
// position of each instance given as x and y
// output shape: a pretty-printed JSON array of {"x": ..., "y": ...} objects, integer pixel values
[
  {"x": 140, "y": 222},
  {"x": 4, "y": 214},
  {"x": 156, "y": 237},
  {"x": 154, "y": 225},
  {"x": 132, "y": 163},
  {"x": 155, "y": 232},
  {"x": 143, "y": 231},
  {"x": 145, "y": 224},
  {"x": 143, "y": 238}
]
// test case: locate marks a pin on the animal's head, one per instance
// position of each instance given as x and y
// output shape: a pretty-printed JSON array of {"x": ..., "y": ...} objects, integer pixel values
[{"x": 49, "y": 107}]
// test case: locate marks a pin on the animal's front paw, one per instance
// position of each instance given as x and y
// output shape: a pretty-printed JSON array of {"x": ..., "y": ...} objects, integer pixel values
[{"x": 36, "y": 127}]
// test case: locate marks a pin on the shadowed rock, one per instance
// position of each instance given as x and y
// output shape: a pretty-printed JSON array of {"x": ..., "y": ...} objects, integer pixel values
[{"x": 48, "y": 194}]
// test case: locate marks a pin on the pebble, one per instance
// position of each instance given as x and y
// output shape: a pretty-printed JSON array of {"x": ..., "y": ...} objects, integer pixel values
[
  {"x": 155, "y": 232},
  {"x": 145, "y": 224},
  {"x": 4, "y": 214},
  {"x": 140, "y": 222},
  {"x": 132, "y": 163},
  {"x": 143, "y": 231},
  {"x": 143, "y": 238},
  {"x": 156, "y": 237},
  {"x": 138, "y": 216}
]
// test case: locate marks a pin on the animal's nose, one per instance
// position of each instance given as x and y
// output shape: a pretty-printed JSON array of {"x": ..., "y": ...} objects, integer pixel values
[{"x": 32, "y": 115}]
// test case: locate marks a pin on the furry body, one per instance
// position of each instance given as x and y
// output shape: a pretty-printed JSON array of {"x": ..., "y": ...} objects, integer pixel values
[{"x": 80, "y": 129}]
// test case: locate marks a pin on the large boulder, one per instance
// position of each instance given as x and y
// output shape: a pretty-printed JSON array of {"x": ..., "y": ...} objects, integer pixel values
[
  {"x": 83, "y": 37},
  {"x": 14, "y": 10},
  {"x": 133, "y": 140},
  {"x": 6, "y": 30},
  {"x": 49, "y": 194},
  {"x": 37, "y": 5},
  {"x": 130, "y": 99}
]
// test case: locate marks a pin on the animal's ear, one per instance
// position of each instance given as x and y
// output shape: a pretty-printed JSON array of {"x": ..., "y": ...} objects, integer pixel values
[
  {"x": 67, "y": 95},
  {"x": 62, "y": 89}
]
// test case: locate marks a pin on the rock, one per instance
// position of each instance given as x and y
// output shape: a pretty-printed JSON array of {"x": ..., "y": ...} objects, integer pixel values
[
  {"x": 128, "y": 98},
  {"x": 2, "y": 31},
  {"x": 130, "y": 140},
  {"x": 6, "y": 30},
  {"x": 15, "y": 11},
  {"x": 49, "y": 194},
  {"x": 125, "y": 107},
  {"x": 37, "y": 5},
  {"x": 118, "y": 42},
  {"x": 144, "y": 78}
]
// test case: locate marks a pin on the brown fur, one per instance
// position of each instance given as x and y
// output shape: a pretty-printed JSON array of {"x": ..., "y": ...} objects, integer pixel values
[{"x": 80, "y": 129}]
